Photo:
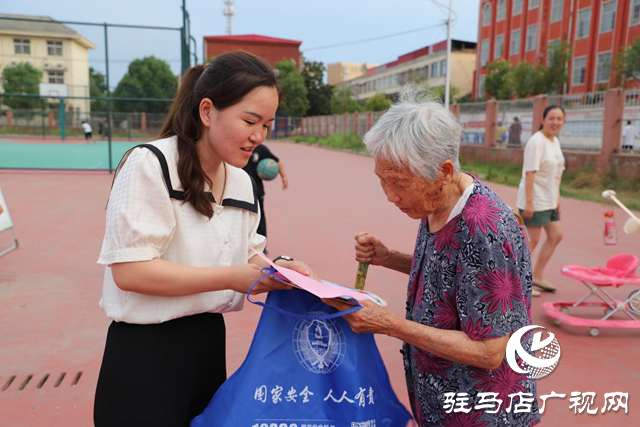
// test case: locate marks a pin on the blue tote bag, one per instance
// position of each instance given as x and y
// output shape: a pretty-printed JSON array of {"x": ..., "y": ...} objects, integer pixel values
[{"x": 306, "y": 369}]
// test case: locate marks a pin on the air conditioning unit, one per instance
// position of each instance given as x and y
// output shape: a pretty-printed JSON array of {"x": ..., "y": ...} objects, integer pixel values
[
  {"x": 483, "y": 64},
  {"x": 47, "y": 65},
  {"x": 14, "y": 63},
  {"x": 60, "y": 66}
]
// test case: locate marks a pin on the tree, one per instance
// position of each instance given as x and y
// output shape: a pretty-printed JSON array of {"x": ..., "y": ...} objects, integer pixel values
[
  {"x": 97, "y": 88},
  {"x": 294, "y": 102},
  {"x": 342, "y": 102},
  {"x": 318, "y": 93},
  {"x": 627, "y": 64},
  {"x": 148, "y": 77},
  {"x": 378, "y": 102},
  {"x": 497, "y": 83},
  {"x": 522, "y": 79},
  {"x": 22, "y": 79},
  {"x": 453, "y": 91},
  {"x": 553, "y": 77}
]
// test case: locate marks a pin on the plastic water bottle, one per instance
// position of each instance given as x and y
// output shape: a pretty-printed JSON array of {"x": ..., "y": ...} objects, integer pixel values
[{"x": 610, "y": 231}]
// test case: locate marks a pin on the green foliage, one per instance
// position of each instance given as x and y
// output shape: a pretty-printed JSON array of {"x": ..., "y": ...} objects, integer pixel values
[
  {"x": 453, "y": 92},
  {"x": 378, "y": 102},
  {"x": 343, "y": 102},
  {"x": 22, "y": 79},
  {"x": 149, "y": 77},
  {"x": 294, "y": 101},
  {"x": 552, "y": 77},
  {"x": 627, "y": 63},
  {"x": 97, "y": 88},
  {"x": 497, "y": 84},
  {"x": 522, "y": 79},
  {"x": 318, "y": 93}
]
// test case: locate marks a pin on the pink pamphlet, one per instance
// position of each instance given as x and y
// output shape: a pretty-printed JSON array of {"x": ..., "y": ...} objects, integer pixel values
[{"x": 321, "y": 289}]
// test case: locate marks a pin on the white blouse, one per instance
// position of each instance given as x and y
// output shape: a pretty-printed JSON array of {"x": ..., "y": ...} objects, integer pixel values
[{"x": 146, "y": 219}]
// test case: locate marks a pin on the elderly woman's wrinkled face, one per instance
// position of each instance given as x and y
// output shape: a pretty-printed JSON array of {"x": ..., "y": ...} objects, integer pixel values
[{"x": 412, "y": 194}]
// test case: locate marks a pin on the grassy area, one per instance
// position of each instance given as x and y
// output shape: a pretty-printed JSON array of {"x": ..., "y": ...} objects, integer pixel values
[
  {"x": 349, "y": 141},
  {"x": 584, "y": 184}
]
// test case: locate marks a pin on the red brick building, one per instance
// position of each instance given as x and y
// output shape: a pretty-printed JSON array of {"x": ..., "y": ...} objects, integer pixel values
[
  {"x": 270, "y": 49},
  {"x": 522, "y": 30}
]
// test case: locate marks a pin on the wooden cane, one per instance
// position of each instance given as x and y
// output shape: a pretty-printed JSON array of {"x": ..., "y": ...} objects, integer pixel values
[{"x": 361, "y": 275}]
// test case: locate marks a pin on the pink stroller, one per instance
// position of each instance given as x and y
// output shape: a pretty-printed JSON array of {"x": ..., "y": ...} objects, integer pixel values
[{"x": 620, "y": 270}]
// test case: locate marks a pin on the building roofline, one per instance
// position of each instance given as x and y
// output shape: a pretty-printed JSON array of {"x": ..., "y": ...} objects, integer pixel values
[{"x": 254, "y": 38}]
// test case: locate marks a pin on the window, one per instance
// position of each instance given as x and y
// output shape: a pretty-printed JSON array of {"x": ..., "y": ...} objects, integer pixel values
[
  {"x": 443, "y": 68},
  {"x": 517, "y": 7},
  {"x": 425, "y": 72},
  {"x": 501, "y": 11},
  {"x": 54, "y": 48},
  {"x": 579, "y": 71},
  {"x": 550, "y": 47},
  {"x": 434, "y": 69},
  {"x": 557, "y": 7},
  {"x": 533, "y": 4},
  {"x": 56, "y": 77},
  {"x": 498, "y": 49},
  {"x": 603, "y": 67},
  {"x": 486, "y": 15},
  {"x": 608, "y": 16},
  {"x": 515, "y": 42},
  {"x": 584, "y": 23},
  {"x": 532, "y": 36},
  {"x": 22, "y": 46},
  {"x": 484, "y": 53},
  {"x": 635, "y": 12},
  {"x": 345, "y": 69}
]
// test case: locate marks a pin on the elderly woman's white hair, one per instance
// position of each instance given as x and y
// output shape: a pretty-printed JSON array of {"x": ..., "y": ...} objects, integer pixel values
[{"x": 416, "y": 131}]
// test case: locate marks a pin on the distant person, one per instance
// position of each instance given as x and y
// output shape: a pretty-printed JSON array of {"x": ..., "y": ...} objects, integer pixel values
[
  {"x": 515, "y": 130},
  {"x": 86, "y": 127},
  {"x": 100, "y": 127},
  {"x": 261, "y": 152},
  {"x": 500, "y": 133},
  {"x": 629, "y": 134},
  {"x": 539, "y": 191}
]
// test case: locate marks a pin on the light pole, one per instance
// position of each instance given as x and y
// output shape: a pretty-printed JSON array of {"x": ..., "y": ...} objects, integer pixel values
[{"x": 447, "y": 79}]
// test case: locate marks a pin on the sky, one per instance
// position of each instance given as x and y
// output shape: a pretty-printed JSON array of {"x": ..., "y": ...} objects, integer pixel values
[{"x": 317, "y": 24}]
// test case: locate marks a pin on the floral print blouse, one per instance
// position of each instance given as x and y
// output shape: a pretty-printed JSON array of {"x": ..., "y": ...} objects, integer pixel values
[{"x": 473, "y": 275}]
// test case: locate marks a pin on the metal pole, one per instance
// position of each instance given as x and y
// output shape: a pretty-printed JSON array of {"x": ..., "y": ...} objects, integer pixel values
[
  {"x": 108, "y": 126},
  {"x": 62, "y": 120},
  {"x": 447, "y": 79}
]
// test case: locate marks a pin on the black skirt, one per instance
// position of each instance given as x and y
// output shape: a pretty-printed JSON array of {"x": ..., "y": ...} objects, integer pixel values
[{"x": 160, "y": 375}]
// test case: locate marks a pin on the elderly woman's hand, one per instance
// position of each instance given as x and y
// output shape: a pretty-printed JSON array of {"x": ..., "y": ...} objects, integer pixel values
[
  {"x": 371, "y": 250},
  {"x": 372, "y": 318}
]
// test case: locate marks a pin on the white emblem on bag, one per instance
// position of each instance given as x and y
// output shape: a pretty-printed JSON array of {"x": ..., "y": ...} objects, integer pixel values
[{"x": 319, "y": 345}]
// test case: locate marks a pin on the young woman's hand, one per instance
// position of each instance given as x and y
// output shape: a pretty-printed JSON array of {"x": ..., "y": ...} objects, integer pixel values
[
  {"x": 298, "y": 266},
  {"x": 528, "y": 211},
  {"x": 245, "y": 275}
]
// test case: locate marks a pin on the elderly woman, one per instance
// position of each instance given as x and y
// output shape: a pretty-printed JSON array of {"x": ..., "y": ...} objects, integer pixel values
[{"x": 469, "y": 276}]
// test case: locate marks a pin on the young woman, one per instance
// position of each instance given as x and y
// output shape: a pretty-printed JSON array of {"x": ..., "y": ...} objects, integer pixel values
[
  {"x": 181, "y": 225},
  {"x": 539, "y": 191}
]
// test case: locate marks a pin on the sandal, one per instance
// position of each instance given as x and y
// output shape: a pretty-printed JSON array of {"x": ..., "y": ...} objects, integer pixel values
[{"x": 544, "y": 285}]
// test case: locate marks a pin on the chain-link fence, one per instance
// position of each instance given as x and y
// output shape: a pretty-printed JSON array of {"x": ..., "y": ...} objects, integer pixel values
[{"x": 120, "y": 79}]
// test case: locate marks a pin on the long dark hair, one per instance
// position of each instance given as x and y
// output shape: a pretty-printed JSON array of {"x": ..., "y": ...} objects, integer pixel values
[
  {"x": 549, "y": 108},
  {"x": 225, "y": 81}
]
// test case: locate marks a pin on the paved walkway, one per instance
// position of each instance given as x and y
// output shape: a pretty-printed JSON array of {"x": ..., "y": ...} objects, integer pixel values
[{"x": 50, "y": 322}]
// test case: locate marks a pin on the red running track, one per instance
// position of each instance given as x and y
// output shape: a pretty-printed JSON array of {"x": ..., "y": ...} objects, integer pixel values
[{"x": 50, "y": 287}]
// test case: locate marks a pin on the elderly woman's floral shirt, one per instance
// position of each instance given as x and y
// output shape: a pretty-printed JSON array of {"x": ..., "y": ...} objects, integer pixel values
[{"x": 473, "y": 275}]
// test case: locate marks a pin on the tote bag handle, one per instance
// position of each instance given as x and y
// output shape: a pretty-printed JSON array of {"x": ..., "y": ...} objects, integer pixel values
[{"x": 270, "y": 272}]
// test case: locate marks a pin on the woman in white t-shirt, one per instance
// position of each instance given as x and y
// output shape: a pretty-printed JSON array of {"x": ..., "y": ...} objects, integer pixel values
[
  {"x": 539, "y": 191},
  {"x": 178, "y": 247}
]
